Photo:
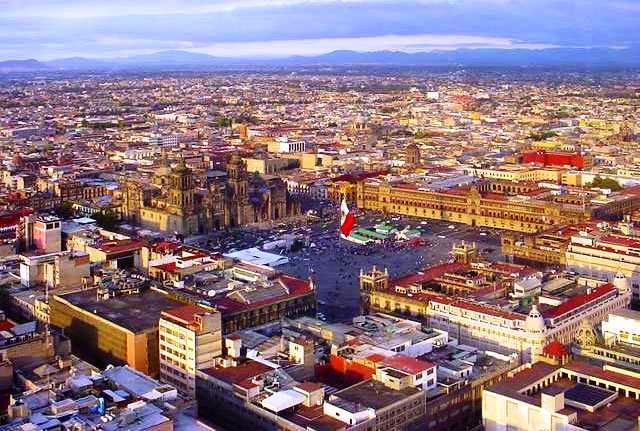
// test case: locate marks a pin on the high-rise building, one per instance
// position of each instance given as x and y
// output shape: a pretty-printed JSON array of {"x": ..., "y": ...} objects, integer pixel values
[{"x": 190, "y": 339}]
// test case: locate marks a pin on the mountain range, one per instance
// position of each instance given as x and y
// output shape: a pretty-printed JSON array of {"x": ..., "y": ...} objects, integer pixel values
[{"x": 185, "y": 60}]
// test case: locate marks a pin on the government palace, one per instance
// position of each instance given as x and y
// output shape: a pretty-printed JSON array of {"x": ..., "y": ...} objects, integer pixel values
[{"x": 521, "y": 207}]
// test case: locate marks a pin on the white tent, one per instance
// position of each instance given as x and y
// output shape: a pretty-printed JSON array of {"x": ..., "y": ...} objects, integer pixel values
[
  {"x": 283, "y": 400},
  {"x": 256, "y": 256}
]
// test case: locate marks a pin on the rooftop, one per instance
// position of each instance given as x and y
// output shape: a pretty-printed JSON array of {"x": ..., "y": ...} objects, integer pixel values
[
  {"x": 235, "y": 375},
  {"x": 136, "y": 313},
  {"x": 372, "y": 394}
]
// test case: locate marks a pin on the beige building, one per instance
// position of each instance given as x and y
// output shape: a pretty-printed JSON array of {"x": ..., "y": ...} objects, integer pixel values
[
  {"x": 64, "y": 269},
  {"x": 190, "y": 339},
  {"x": 112, "y": 330},
  {"x": 518, "y": 173},
  {"x": 269, "y": 165},
  {"x": 574, "y": 396},
  {"x": 605, "y": 256},
  {"x": 488, "y": 326}
]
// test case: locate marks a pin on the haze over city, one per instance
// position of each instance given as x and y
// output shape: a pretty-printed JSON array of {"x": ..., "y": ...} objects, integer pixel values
[
  {"x": 45, "y": 29},
  {"x": 319, "y": 215}
]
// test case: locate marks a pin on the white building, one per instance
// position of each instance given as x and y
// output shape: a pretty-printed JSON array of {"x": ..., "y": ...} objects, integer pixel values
[
  {"x": 284, "y": 145},
  {"x": 604, "y": 256},
  {"x": 576, "y": 396},
  {"x": 190, "y": 339},
  {"x": 495, "y": 329},
  {"x": 622, "y": 326}
]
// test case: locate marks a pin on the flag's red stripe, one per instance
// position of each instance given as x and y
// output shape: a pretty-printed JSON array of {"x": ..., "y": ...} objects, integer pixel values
[{"x": 348, "y": 224}]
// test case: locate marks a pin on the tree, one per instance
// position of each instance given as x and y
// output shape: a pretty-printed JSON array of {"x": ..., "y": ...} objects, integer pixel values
[
  {"x": 605, "y": 183},
  {"x": 106, "y": 219},
  {"x": 223, "y": 122},
  {"x": 543, "y": 135},
  {"x": 65, "y": 210}
]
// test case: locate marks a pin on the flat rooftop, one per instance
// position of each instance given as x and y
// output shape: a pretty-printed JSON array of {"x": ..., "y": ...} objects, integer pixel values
[
  {"x": 373, "y": 394},
  {"x": 136, "y": 313},
  {"x": 313, "y": 418},
  {"x": 243, "y": 371}
]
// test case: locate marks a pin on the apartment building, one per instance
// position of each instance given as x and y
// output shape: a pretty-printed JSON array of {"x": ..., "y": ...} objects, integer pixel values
[
  {"x": 605, "y": 255},
  {"x": 190, "y": 339}
]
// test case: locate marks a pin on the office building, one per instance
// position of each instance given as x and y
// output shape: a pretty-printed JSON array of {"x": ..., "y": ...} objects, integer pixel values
[{"x": 190, "y": 339}]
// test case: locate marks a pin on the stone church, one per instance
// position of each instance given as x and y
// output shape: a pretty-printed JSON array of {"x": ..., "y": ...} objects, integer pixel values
[{"x": 178, "y": 201}]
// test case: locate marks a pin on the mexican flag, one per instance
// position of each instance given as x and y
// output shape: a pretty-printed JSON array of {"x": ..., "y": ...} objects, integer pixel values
[{"x": 347, "y": 220}]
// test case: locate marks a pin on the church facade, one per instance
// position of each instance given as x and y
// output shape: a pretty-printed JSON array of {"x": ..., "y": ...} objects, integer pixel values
[{"x": 178, "y": 201}]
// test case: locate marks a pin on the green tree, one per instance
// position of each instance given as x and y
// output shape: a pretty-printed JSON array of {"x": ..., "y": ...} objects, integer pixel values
[
  {"x": 605, "y": 183},
  {"x": 543, "y": 135},
  {"x": 65, "y": 210},
  {"x": 106, "y": 219},
  {"x": 223, "y": 122}
]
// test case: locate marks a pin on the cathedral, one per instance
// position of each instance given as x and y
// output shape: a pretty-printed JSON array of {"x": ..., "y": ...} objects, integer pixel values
[{"x": 178, "y": 201}]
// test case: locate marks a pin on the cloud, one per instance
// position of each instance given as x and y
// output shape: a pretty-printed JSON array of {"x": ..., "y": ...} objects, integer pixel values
[
  {"x": 95, "y": 28},
  {"x": 79, "y": 9},
  {"x": 406, "y": 43}
]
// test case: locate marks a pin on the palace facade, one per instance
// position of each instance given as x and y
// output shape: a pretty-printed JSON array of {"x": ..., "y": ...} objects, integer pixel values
[{"x": 521, "y": 207}]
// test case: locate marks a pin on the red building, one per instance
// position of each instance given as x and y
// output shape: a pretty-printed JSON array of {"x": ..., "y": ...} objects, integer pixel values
[{"x": 544, "y": 158}]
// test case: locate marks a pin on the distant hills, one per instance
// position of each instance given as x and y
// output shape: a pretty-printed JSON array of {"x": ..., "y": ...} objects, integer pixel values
[
  {"x": 21, "y": 66},
  {"x": 185, "y": 60}
]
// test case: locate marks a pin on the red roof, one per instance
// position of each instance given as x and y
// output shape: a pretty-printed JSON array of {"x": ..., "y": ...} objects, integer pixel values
[
  {"x": 184, "y": 314},
  {"x": 555, "y": 349},
  {"x": 353, "y": 178},
  {"x": 621, "y": 240},
  {"x": 120, "y": 246},
  {"x": 13, "y": 219},
  {"x": 235, "y": 375},
  {"x": 578, "y": 301},
  {"x": 607, "y": 375},
  {"x": 427, "y": 274},
  {"x": 407, "y": 364},
  {"x": 246, "y": 384},
  {"x": 166, "y": 246},
  {"x": 296, "y": 287}
]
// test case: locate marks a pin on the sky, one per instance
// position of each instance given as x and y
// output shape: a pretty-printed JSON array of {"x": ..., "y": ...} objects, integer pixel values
[{"x": 50, "y": 29}]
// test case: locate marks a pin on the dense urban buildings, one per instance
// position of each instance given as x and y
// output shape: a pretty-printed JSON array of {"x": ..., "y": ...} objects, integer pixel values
[{"x": 320, "y": 249}]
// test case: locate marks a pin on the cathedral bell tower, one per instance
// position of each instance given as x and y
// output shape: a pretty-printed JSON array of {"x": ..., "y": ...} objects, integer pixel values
[
  {"x": 238, "y": 178},
  {"x": 181, "y": 188},
  {"x": 239, "y": 208}
]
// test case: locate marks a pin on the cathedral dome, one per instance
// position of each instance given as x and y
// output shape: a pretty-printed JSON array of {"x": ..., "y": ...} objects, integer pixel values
[
  {"x": 534, "y": 321},
  {"x": 621, "y": 282}
]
